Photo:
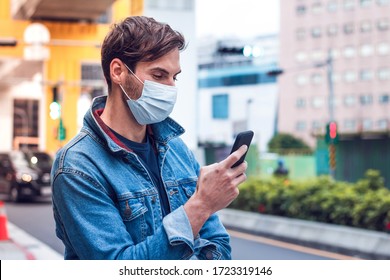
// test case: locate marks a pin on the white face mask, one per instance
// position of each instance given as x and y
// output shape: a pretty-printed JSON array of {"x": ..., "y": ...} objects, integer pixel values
[{"x": 155, "y": 103}]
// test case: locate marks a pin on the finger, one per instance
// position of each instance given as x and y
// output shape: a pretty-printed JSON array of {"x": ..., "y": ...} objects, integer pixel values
[
  {"x": 239, "y": 179},
  {"x": 240, "y": 169},
  {"x": 232, "y": 158}
]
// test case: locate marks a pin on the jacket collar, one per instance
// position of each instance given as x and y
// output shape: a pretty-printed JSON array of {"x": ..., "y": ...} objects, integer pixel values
[{"x": 162, "y": 132}]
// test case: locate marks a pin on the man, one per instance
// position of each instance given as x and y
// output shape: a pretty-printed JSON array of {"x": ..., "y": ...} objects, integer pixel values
[
  {"x": 127, "y": 187},
  {"x": 281, "y": 170}
]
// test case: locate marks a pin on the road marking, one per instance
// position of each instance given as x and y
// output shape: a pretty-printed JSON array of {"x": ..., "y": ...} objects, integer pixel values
[{"x": 290, "y": 246}]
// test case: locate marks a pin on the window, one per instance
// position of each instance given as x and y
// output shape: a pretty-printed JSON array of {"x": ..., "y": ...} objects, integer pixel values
[
  {"x": 348, "y": 28},
  {"x": 332, "y": 30},
  {"x": 316, "y": 78},
  {"x": 365, "y": 26},
  {"x": 384, "y": 74},
  {"x": 91, "y": 72},
  {"x": 349, "y": 4},
  {"x": 366, "y": 50},
  {"x": 335, "y": 53},
  {"x": 350, "y": 125},
  {"x": 301, "y": 103},
  {"x": 383, "y": 2},
  {"x": 366, "y": 99},
  {"x": 365, "y": 3},
  {"x": 383, "y": 48},
  {"x": 332, "y": 6},
  {"x": 366, "y": 75},
  {"x": 317, "y": 102},
  {"x": 301, "y": 80},
  {"x": 301, "y": 10},
  {"x": 350, "y": 76},
  {"x": 26, "y": 118},
  {"x": 220, "y": 103},
  {"x": 93, "y": 79},
  {"x": 317, "y": 125},
  {"x": 349, "y": 52},
  {"x": 300, "y": 56},
  {"x": 349, "y": 101},
  {"x": 316, "y": 8},
  {"x": 316, "y": 32},
  {"x": 383, "y": 24},
  {"x": 367, "y": 124},
  {"x": 336, "y": 77},
  {"x": 301, "y": 34},
  {"x": 301, "y": 126},
  {"x": 382, "y": 124},
  {"x": 318, "y": 55},
  {"x": 384, "y": 98}
]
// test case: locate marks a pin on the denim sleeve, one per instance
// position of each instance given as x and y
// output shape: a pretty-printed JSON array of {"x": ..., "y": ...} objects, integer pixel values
[
  {"x": 212, "y": 243},
  {"x": 91, "y": 227},
  {"x": 218, "y": 245}
]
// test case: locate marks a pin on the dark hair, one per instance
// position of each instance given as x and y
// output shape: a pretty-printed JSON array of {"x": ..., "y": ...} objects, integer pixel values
[{"x": 137, "y": 39}]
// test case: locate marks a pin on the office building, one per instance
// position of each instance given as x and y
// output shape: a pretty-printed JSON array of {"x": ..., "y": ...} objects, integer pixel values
[
  {"x": 355, "y": 34},
  {"x": 235, "y": 92}
]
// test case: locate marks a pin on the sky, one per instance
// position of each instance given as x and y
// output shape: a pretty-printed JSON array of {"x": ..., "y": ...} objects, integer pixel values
[{"x": 225, "y": 18}]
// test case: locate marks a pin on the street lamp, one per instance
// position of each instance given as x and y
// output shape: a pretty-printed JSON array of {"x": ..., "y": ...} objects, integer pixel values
[{"x": 331, "y": 122}]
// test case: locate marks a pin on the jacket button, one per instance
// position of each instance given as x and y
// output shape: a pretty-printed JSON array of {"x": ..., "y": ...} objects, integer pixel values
[
  {"x": 209, "y": 255},
  {"x": 153, "y": 199}
]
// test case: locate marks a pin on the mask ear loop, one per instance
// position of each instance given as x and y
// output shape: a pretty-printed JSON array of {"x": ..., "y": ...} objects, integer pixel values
[
  {"x": 133, "y": 73},
  {"x": 123, "y": 90}
]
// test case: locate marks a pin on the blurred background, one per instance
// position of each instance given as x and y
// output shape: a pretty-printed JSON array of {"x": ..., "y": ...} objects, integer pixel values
[{"x": 311, "y": 78}]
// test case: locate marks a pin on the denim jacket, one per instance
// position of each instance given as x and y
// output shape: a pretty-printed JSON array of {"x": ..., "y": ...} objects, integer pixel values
[{"x": 106, "y": 205}]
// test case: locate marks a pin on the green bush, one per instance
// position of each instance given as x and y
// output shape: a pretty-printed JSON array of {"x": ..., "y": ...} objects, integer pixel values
[{"x": 365, "y": 204}]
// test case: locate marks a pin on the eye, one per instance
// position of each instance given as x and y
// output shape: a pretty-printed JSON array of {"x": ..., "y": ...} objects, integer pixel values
[
  {"x": 175, "y": 79},
  {"x": 157, "y": 76}
]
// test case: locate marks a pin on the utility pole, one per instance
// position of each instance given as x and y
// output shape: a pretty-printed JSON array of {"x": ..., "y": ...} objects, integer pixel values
[{"x": 332, "y": 144}]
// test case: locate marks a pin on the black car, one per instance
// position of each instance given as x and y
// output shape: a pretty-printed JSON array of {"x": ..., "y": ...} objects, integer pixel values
[{"x": 25, "y": 174}]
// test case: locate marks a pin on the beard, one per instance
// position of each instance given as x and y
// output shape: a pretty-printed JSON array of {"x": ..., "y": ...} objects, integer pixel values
[{"x": 133, "y": 88}]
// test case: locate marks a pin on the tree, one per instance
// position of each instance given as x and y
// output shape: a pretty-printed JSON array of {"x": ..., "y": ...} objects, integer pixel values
[{"x": 284, "y": 143}]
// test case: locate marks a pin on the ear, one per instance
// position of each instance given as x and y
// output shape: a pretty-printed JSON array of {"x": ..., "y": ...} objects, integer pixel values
[{"x": 116, "y": 70}]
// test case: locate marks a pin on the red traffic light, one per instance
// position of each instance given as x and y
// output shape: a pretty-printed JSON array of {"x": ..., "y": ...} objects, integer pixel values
[{"x": 333, "y": 130}]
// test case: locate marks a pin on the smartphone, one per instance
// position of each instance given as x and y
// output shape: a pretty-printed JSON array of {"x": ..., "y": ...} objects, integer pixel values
[{"x": 243, "y": 138}]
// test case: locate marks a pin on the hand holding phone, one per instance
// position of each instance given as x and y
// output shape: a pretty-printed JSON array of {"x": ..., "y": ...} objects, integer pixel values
[{"x": 243, "y": 138}]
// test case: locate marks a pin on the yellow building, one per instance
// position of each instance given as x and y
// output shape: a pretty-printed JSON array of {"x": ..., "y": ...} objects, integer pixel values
[{"x": 51, "y": 48}]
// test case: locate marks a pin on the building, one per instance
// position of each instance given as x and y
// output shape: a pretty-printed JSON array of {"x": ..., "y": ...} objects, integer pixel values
[
  {"x": 355, "y": 34},
  {"x": 235, "y": 92},
  {"x": 50, "y": 49}
]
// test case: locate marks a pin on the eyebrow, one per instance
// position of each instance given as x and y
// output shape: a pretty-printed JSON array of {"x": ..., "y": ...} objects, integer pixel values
[{"x": 164, "y": 70}]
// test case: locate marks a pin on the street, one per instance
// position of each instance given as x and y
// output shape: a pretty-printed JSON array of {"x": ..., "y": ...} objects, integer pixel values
[{"x": 36, "y": 218}]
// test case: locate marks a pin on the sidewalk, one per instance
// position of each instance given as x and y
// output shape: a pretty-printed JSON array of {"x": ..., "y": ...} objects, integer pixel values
[
  {"x": 367, "y": 244},
  {"x": 22, "y": 246}
]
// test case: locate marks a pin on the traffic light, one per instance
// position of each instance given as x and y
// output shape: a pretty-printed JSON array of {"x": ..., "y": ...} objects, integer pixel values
[
  {"x": 55, "y": 107},
  {"x": 231, "y": 50},
  {"x": 331, "y": 136}
]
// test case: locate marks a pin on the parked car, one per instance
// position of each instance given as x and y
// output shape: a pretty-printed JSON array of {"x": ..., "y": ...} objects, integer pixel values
[{"x": 25, "y": 174}]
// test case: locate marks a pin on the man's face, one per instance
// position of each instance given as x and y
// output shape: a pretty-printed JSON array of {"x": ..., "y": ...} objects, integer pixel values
[{"x": 163, "y": 70}]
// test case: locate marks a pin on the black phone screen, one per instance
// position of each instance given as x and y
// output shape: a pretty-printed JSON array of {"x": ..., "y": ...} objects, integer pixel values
[{"x": 243, "y": 138}]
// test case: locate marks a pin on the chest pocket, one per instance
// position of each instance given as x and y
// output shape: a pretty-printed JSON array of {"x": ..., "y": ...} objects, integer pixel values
[
  {"x": 135, "y": 212},
  {"x": 180, "y": 191}
]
